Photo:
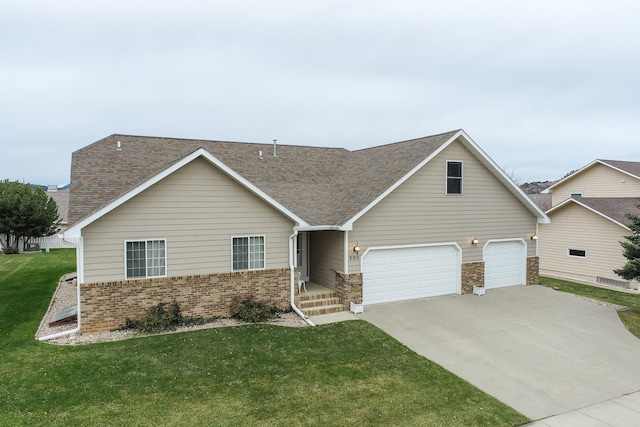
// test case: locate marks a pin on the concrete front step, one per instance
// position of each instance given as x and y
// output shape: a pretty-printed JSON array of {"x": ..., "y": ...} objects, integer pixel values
[
  {"x": 303, "y": 296},
  {"x": 323, "y": 309},
  {"x": 318, "y": 302}
]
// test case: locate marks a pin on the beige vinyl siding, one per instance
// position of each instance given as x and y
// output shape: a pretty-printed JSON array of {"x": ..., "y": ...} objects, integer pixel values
[
  {"x": 197, "y": 209},
  {"x": 419, "y": 211},
  {"x": 326, "y": 249},
  {"x": 597, "y": 181},
  {"x": 574, "y": 227}
]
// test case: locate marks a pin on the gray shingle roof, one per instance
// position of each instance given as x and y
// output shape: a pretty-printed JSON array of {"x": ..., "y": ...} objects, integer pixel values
[
  {"x": 632, "y": 168},
  {"x": 61, "y": 197},
  {"x": 323, "y": 186},
  {"x": 613, "y": 207}
]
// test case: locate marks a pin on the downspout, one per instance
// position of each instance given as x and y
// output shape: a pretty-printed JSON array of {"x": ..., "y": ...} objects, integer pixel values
[
  {"x": 293, "y": 279},
  {"x": 345, "y": 260},
  {"x": 79, "y": 263}
]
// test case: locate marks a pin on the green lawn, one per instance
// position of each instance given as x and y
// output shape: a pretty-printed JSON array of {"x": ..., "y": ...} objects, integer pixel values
[
  {"x": 334, "y": 375},
  {"x": 630, "y": 318}
]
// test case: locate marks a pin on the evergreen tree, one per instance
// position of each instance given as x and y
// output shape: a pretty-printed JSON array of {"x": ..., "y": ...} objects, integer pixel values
[
  {"x": 631, "y": 270},
  {"x": 25, "y": 212}
]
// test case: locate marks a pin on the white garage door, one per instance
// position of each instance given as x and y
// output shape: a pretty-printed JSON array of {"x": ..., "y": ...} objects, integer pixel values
[
  {"x": 394, "y": 274},
  {"x": 504, "y": 263}
]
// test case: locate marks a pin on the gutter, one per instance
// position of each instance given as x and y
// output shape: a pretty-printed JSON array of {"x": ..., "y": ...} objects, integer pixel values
[
  {"x": 293, "y": 280},
  {"x": 79, "y": 321}
]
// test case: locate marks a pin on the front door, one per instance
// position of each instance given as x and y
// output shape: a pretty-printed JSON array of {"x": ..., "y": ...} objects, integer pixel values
[{"x": 303, "y": 254}]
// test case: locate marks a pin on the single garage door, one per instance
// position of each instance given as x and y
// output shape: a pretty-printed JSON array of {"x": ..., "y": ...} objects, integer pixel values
[
  {"x": 504, "y": 263},
  {"x": 394, "y": 274}
]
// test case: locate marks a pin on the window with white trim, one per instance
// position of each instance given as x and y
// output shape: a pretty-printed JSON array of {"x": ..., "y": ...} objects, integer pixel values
[
  {"x": 145, "y": 258},
  {"x": 580, "y": 253},
  {"x": 454, "y": 177},
  {"x": 248, "y": 253}
]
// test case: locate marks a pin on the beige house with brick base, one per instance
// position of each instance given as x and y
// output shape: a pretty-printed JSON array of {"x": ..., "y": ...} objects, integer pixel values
[
  {"x": 201, "y": 222},
  {"x": 582, "y": 242}
]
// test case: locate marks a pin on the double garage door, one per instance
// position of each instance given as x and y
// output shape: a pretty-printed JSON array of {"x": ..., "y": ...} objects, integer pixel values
[{"x": 395, "y": 274}]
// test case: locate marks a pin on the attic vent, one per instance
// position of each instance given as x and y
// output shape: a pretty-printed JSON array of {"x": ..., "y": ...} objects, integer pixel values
[
  {"x": 119, "y": 146},
  {"x": 260, "y": 155}
]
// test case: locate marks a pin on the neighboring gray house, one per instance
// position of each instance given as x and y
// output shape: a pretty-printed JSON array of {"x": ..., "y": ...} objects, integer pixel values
[
  {"x": 203, "y": 222},
  {"x": 61, "y": 197}
]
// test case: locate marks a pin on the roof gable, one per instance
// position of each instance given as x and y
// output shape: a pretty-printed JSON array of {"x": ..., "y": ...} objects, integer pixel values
[
  {"x": 75, "y": 230},
  {"x": 631, "y": 169},
  {"x": 461, "y": 137},
  {"x": 314, "y": 186},
  {"x": 610, "y": 208}
]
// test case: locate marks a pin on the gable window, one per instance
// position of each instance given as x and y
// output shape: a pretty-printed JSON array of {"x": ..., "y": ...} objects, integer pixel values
[
  {"x": 248, "y": 252},
  {"x": 454, "y": 177},
  {"x": 576, "y": 195},
  {"x": 145, "y": 258},
  {"x": 578, "y": 253}
]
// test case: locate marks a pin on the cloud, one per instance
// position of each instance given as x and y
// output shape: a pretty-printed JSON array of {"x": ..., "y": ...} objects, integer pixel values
[{"x": 544, "y": 87}]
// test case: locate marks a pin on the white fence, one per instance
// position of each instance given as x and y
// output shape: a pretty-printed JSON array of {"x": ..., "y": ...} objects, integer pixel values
[{"x": 50, "y": 242}]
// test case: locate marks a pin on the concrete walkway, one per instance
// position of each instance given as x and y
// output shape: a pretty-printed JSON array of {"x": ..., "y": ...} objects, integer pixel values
[
  {"x": 620, "y": 412},
  {"x": 324, "y": 319},
  {"x": 539, "y": 351}
]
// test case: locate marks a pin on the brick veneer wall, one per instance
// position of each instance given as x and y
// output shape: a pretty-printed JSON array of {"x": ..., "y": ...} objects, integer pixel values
[
  {"x": 348, "y": 288},
  {"x": 472, "y": 274},
  {"x": 105, "y": 305},
  {"x": 533, "y": 270}
]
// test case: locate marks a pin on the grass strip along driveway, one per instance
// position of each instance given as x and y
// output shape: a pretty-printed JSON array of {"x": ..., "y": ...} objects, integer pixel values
[
  {"x": 630, "y": 318},
  {"x": 340, "y": 374}
]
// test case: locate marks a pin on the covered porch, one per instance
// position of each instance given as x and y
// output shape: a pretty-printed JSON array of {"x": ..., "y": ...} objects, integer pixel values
[
  {"x": 320, "y": 260},
  {"x": 319, "y": 300}
]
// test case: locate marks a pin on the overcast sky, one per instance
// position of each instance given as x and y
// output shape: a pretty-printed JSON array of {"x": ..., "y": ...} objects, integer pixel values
[{"x": 544, "y": 87}]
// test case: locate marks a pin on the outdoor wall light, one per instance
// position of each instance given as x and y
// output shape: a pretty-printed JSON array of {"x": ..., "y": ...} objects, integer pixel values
[
  {"x": 356, "y": 249},
  {"x": 534, "y": 237},
  {"x": 474, "y": 241}
]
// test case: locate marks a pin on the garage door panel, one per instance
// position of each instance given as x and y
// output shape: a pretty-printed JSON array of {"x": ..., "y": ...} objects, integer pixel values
[
  {"x": 405, "y": 273},
  {"x": 505, "y": 264}
]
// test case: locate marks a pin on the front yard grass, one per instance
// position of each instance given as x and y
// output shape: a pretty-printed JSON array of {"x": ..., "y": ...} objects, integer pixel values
[
  {"x": 334, "y": 375},
  {"x": 630, "y": 318}
]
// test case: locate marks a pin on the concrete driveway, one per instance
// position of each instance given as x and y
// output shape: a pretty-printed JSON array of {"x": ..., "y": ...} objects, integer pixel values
[{"x": 540, "y": 351}]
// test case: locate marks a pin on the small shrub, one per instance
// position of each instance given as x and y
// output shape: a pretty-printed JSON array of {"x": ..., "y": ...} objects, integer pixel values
[
  {"x": 131, "y": 324},
  {"x": 195, "y": 321},
  {"x": 251, "y": 310},
  {"x": 157, "y": 318},
  {"x": 10, "y": 251}
]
